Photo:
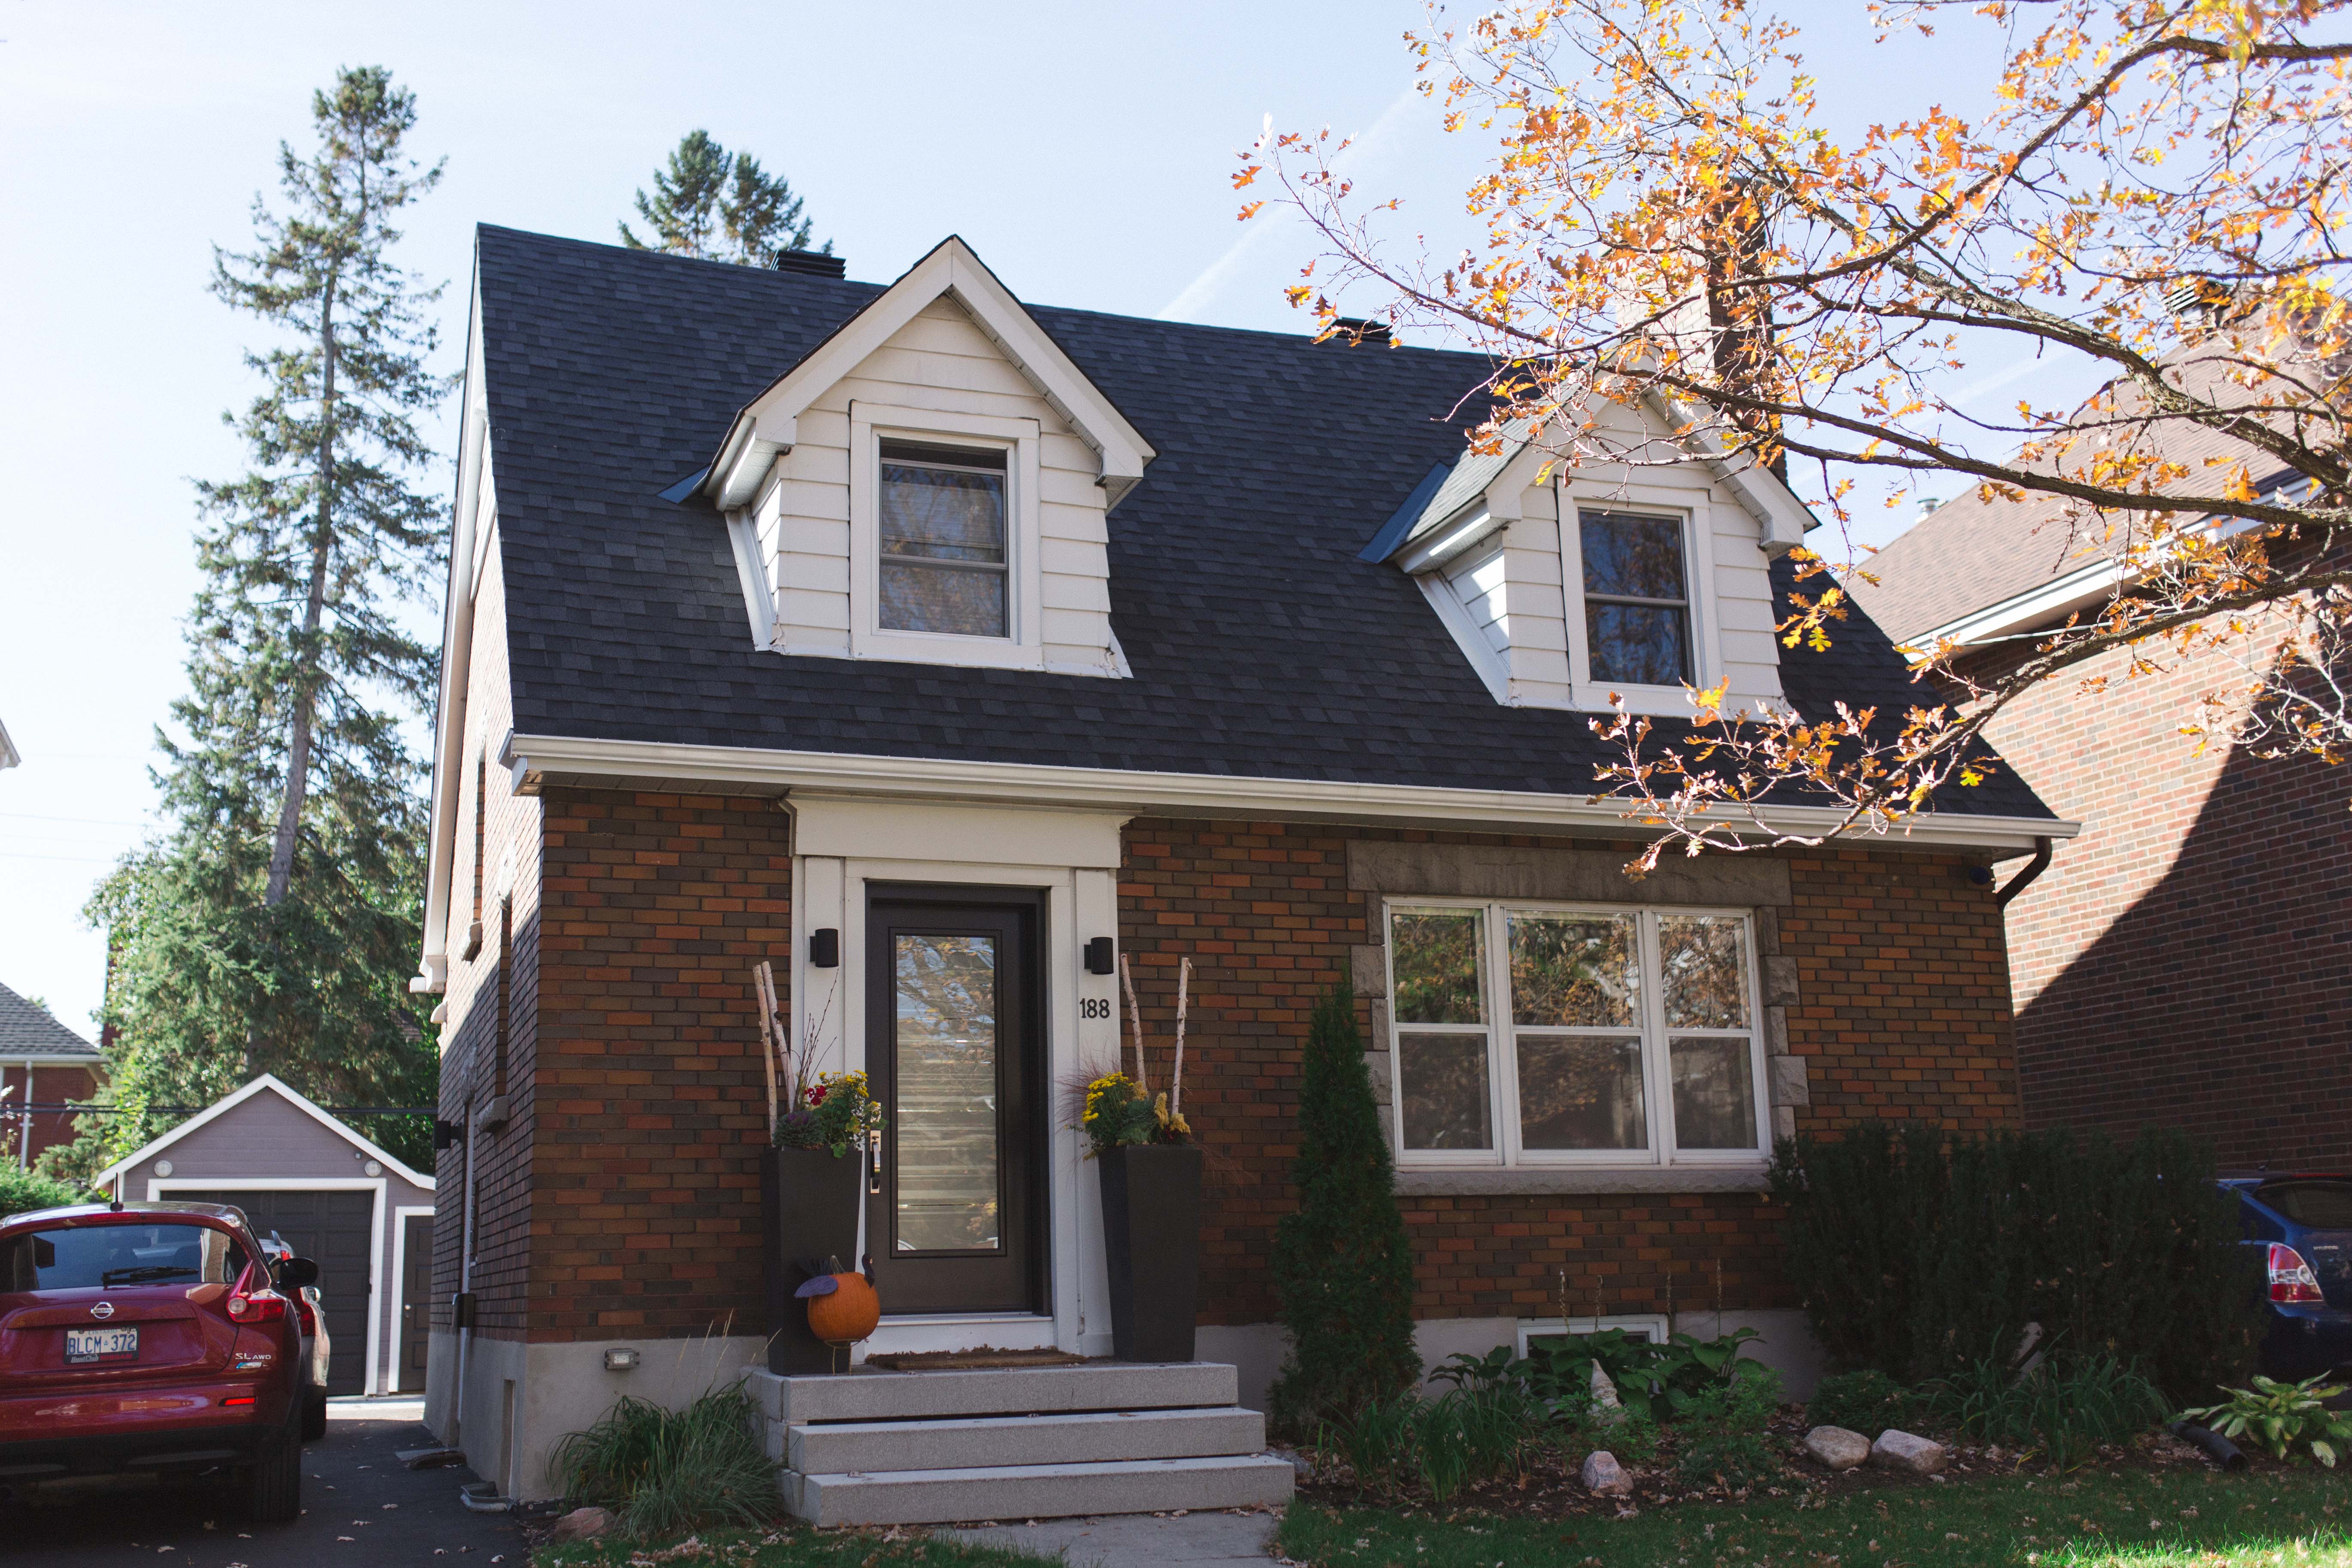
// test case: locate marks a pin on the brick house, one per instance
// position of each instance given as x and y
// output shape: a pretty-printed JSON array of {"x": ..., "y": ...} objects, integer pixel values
[
  {"x": 824, "y": 622},
  {"x": 2180, "y": 962},
  {"x": 42, "y": 1063}
]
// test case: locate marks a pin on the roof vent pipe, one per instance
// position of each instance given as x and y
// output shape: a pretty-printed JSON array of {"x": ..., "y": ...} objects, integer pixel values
[{"x": 815, "y": 263}]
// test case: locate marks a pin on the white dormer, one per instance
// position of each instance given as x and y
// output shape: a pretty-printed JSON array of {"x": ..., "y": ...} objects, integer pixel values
[
  {"x": 1562, "y": 586},
  {"x": 931, "y": 485}
]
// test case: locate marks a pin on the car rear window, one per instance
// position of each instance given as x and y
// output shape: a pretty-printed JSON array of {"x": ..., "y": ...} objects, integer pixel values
[
  {"x": 74, "y": 1257},
  {"x": 2327, "y": 1205}
]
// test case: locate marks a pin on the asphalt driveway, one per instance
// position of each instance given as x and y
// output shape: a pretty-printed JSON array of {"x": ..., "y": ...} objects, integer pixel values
[{"x": 360, "y": 1506}]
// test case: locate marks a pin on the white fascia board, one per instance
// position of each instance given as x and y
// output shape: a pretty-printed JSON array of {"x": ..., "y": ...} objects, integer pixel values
[
  {"x": 227, "y": 1103},
  {"x": 764, "y": 427},
  {"x": 54, "y": 1059},
  {"x": 456, "y": 657},
  {"x": 1438, "y": 589},
  {"x": 1466, "y": 528},
  {"x": 2022, "y": 612},
  {"x": 534, "y": 758},
  {"x": 1762, "y": 493}
]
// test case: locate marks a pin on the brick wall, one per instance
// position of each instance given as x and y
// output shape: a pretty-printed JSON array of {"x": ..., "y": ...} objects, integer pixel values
[
  {"x": 41, "y": 1086},
  {"x": 1901, "y": 1012},
  {"x": 649, "y": 1098},
  {"x": 2183, "y": 962}
]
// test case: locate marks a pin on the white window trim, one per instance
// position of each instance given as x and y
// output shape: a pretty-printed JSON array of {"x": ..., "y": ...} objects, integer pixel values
[
  {"x": 1651, "y": 1326},
  {"x": 1502, "y": 1059},
  {"x": 870, "y": 424},
  {"x": 1698, "y": 572}
]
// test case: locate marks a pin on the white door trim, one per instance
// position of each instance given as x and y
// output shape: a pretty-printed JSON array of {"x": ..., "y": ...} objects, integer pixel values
[{"x": 397, "y": 1281}]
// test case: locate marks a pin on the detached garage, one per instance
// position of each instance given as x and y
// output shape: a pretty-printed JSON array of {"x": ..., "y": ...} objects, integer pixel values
[{"x": 328, "y": 1194}]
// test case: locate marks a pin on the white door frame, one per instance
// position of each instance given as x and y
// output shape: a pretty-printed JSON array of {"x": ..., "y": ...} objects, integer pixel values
[
  {"x": 398, "y": 1281},
  {"x": 158, "y": 1186}
]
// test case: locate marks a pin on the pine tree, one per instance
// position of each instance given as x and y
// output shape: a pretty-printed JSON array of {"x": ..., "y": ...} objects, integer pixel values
[
  {"x": 1342, "y": 1266},
  {"x": 272, "y": 925},
  {"x": 720, "y": 206}
]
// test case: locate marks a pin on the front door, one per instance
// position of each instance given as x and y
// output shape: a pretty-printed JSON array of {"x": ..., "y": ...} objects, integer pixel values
[{"x": 955, "y": 1051}]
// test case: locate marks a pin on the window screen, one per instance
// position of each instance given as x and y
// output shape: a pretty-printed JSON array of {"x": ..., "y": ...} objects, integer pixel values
[{"x": 943, "y": 544}]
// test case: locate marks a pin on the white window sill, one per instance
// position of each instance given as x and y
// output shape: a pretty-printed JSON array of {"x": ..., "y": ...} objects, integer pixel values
[{"x": 1495, "y": 1181}]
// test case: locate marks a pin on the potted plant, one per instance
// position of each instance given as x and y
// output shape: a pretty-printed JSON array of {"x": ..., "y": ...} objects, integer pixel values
[
  {"x": 819, "y": 1125},
  {"x": 1150, "y": 1198}
]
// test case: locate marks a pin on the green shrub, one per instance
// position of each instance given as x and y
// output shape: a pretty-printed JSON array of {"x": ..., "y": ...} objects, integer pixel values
[
  {"x": 1665, "y": 1379},
  {"x": 665, "y": 1472},
  {"x": 1378, "y": 1440},
  {"x": 1341, "y": 1266},
  {"x": 1724, "y": 1430},
  {"x": 1868, "y": 1401},
  {"x": 1917, "y": 1254},
  {"x": 23, "y": 1190},
  {"x": 1461, "y": 1437},
  {"x": 2059, "y": 1411},
  {"x": 2278, "y": 1416}
]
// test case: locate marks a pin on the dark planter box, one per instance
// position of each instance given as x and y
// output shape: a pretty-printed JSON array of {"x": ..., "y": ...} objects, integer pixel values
[
  {"x": 809, "y": 1201},
  {"x": 1151, "y": 1232}
]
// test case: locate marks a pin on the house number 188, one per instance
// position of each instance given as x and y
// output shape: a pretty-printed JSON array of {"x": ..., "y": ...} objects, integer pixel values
[{"x": 1094, "y": 1006}]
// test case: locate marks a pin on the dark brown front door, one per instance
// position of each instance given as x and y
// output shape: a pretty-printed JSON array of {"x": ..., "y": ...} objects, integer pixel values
[
  {"x": 415, "y": 1300},
  {"x": 955, "y": 1051}
]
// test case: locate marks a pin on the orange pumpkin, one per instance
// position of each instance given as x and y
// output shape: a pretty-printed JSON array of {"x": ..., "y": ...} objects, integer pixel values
[{"x": 845, "y": 1314}]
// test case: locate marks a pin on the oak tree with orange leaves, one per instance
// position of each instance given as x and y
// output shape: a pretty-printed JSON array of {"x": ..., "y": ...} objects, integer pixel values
[{"x": 2158, "y": 191}]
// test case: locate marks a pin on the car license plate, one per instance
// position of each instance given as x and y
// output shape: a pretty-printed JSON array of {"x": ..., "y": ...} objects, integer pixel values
[{"x": 100, "y": 1344}]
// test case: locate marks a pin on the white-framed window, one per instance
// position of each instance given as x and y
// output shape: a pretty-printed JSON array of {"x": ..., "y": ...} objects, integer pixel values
[
  {"x": 1638, "y": 580},
  {"x": 944, "y": 537},
  {"x": 1534, "y": 1034},
  {"x": 1651, "y": 1326}
]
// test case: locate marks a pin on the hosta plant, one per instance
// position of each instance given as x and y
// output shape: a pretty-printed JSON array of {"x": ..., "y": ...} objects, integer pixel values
[{"x": 2281, "y": 1416}]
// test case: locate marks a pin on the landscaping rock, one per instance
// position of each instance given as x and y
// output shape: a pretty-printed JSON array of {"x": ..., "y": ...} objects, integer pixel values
[
  {"x": 1836, "y": 1447},
  {"x": 1604, "y": 1476},
  {"x": 1902, "y": 1451},
  {"x": 582, "y": 1524}
]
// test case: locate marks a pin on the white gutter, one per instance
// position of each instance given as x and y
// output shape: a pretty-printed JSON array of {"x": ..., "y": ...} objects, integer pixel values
[
  {"x": 535, "y": 759},
  {"x": 2022, "y": 612}
]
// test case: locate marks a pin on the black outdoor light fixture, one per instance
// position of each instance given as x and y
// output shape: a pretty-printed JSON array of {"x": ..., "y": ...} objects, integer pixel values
[
  {"x": 1098, "y": 956},
  {"x": 825, "y": 949}
]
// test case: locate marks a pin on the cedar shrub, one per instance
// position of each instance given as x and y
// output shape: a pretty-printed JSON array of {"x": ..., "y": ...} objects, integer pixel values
[{"x": 1342, "y": 1268}]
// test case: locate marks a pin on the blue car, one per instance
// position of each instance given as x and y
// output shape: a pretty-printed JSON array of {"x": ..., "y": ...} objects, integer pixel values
[{"x": 2304, "y": 1223}]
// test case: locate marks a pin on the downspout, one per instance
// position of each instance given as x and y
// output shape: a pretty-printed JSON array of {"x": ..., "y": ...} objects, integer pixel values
[
  {"x": 2035, "y": 868},
  {"x": 465, "y": 1275}
]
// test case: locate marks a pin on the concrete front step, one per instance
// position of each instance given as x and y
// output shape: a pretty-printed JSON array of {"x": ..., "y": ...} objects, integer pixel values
[
  {"x": 1000, "y": 1440},
  {"x": 1036, "y": 1491},
  {"x": 1012, "y": 1391}
]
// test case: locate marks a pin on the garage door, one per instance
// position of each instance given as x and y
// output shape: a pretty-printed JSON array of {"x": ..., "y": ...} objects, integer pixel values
[{"x": 331, "y": 1228}]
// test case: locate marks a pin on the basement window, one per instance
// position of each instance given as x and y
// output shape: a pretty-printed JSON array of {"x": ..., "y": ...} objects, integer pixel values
[
  {"x": 944, "y": 545},
  {"x": 1548, "y": 1035}
]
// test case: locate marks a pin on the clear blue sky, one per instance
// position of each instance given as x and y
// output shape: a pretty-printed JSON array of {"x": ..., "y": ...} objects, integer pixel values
[{"x": 1083, "y": 149}]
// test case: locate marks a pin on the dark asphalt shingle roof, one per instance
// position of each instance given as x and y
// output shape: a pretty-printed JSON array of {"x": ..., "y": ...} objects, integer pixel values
[
  {"x": 1261, "y": 645},
  {"x": 29, "y": 1031}
]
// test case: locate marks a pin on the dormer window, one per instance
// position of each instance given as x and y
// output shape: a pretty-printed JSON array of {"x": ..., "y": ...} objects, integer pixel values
[
  {"x": 1637, "y": 621},
  {"x": 943, "y": 558}
]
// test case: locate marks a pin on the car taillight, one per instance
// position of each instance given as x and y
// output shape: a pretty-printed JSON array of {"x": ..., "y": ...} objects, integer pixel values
[
  {"x": 265, "y": 1307},
  {"x": 309, "y": 1321},
  {"x": 2291, "y": 1278}
]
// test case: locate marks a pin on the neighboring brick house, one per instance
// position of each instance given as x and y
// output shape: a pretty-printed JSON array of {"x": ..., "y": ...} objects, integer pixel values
[
  {"x": 2183, "y": 962},
  {"x": 792, "y": 619},
  {"x": 42, "y": 1063}
]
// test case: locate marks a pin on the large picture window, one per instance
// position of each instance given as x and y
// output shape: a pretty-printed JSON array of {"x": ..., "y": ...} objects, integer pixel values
[{"x": 1533, "y": 1035}]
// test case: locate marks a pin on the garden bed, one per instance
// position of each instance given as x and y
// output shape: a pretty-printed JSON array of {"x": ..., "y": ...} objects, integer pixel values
[{"x": 2148, "y": 1510}]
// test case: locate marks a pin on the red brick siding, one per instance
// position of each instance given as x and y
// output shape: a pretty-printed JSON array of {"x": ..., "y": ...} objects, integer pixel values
[
  {"x": 1902, "y": 1013},
  {"x": 2183, "y": 962},
  {"x": 40, "y": 1085},
  {"x": 650, "y": 1099}
]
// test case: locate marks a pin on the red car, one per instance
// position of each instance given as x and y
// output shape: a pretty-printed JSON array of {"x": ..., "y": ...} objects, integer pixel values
[{"x": 150, "y": 1337}]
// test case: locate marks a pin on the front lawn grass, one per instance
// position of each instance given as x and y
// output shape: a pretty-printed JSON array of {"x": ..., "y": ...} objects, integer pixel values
[
  {"x": 794, "y": 1546},
  {"x": 2191, "y": 1519}
]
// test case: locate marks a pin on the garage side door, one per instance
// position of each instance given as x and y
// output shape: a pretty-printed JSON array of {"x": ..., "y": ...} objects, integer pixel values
[{"x": 331, "y": 1230}]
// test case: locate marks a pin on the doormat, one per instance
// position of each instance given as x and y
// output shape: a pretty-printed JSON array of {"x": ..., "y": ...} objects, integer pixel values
[{"x": 984, "y": 1359}]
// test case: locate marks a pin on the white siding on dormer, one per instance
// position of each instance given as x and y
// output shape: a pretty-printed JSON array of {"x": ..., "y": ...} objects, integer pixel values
[{"x": 939, "y": 361}]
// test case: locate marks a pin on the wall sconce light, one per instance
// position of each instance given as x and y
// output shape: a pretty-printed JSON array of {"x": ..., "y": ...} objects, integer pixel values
[
  {"x": 1100, "y": 959},
  {"x": 825, "y": 949},
  {"x": 619, "y": 1361}
]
